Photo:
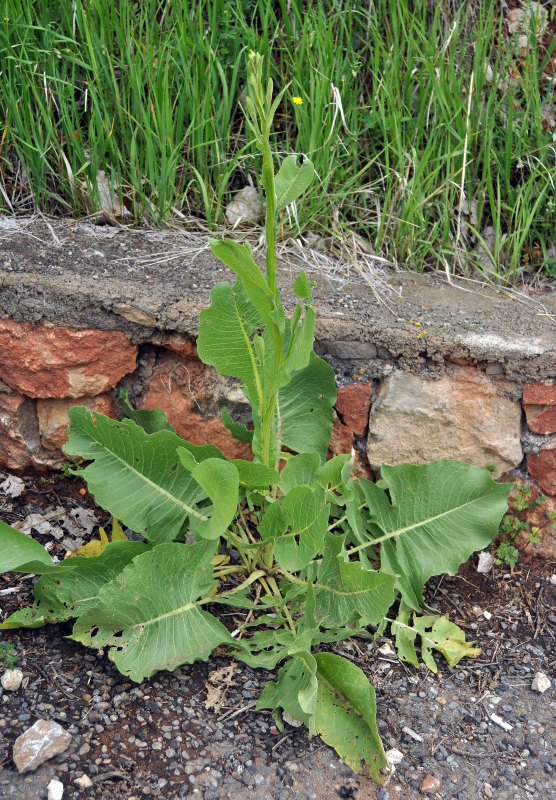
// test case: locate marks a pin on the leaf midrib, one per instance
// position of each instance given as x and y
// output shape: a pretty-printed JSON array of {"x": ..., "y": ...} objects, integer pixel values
[{"x": 152, "y": 484}]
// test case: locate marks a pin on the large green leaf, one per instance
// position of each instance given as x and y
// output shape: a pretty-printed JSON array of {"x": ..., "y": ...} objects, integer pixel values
[
  {"x": 298, "y": 524},
  {"x": 334, "y": 699},
  {"x": 136, "y": 476},
  {"x": 434, "y": 516},
  {"x": 296, "y": 174},
  {"x": 21, "y": 553},
  {"x": 306, "y": 408},
  {"x": 70, "y": 588},
  {"x": 346, "y": 591},
  {"x": 149, "y": 616},
  {"x": 226, "y": 331},
  {"x": 346, "y": 714}
]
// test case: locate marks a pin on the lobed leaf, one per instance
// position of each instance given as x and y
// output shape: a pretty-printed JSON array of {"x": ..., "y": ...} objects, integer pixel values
[
  {"x": 151, "y": 420},
  {"x": 149, "y": 615},
  {"x": 434, "y": 515},
  {"x": 239, "y": 431},
  {"x": 345, "y": 590},
  {"x": 435, "y": 633},
  {"x": 297, "y": 523},
  {"x": 72, "y": 587}
]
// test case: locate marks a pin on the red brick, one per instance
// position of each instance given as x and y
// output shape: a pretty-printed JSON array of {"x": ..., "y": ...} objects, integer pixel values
[
  {"x": 542, "y": 468},
  {"x": 191, "y": 394},
  {"x": 353, "y": 406},
  {"x": 53, "y": 416},
  {"x": 541, "y": 418},
  {"x": 186, "y": 348},
  {"x": 540, "y": 393},
  {"x": 50, "y": 362}
]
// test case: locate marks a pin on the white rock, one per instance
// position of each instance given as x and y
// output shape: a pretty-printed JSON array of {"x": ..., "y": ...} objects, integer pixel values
[
  {"x": 43, "y": 740},
  {"x": 500, "y": 722},
  {"x": 487, "y": 615},
  {"x": 486, "y": 561},
  {"x": 84, "y": 782},
  {"x": 552, "y": 579},
  {"x": 55, "y": 790},
  {"x": 541, "y": 682},
  {"x": 246, "y": 205},
  {"x": 11, "y": 680},
  {"x": 386, "y": 650},
  {"x": 393, "y": 756}
]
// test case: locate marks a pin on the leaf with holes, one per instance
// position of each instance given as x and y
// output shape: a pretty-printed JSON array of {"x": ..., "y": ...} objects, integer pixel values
[
  {"x": 435, "y": 633},
  {"x": 150, "y": 616},
  {"x": 68, "y": 589}
]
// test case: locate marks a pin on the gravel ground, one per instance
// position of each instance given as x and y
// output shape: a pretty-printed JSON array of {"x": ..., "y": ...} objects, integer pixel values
[{"x": 158, "y": 739}]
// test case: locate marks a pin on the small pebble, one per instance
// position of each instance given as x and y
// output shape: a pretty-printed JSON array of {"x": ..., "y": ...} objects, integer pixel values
[
  {"x": 541, "y": 682},
  {"x": 11, "y": 680},
  {"x": 429, "y": 784},
  {"x": 84, "y": 782},
  {"x": 55, "y": 790},
  {"x": 393, "y": 756}
]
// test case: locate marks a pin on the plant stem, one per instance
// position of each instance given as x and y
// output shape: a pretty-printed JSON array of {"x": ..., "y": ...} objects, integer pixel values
[
  {"x": 247, "y": 582},
  {"x": 283, "y": 607},
  {"x": 267, "y": 180}
]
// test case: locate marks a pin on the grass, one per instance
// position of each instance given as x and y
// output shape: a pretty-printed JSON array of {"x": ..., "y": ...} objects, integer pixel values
[{"x": 430, "y": 133}]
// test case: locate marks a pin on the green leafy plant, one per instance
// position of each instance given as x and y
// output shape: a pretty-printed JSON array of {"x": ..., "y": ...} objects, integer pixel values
[
  {"x": 8, "y": 657},
  {"x": 309, "y": 555},
  {"x": 512, "y": 526}
]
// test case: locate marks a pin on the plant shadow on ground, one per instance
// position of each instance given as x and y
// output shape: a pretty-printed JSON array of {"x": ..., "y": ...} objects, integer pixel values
[{"x": 159, "y": 737}]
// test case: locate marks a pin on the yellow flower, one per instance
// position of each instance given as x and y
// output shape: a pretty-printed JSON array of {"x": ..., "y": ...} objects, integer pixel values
[{"x": 298, "y": 101}]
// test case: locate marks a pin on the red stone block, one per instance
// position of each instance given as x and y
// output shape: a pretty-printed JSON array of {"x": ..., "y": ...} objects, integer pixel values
[
  {"x": 540, "y": 393},
  {"x": 19, "y": 431},
  {"x": 353, "y": 406},
  {"x": 541, "y": 418},
  {"x": 542, "y": 468},
  {"x": 191, "y": 394},
  {"x": 53, "y": 416},
  {"x": 50, "y": 362},
  {"x": 186, "y": 348}
]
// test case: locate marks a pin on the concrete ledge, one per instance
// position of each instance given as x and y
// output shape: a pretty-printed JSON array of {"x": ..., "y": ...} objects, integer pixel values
[{"x": 428, "y": 370}]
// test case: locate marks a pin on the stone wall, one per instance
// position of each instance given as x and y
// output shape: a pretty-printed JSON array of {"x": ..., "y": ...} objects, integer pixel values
[
  {"x": 470, "y": 413},
  {"x": 433, "y": 371}
]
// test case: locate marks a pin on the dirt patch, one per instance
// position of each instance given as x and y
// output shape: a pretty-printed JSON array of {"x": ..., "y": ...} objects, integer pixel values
[
  {"x": 148, "y": 283},
  {"x": 157, "y": 739}
]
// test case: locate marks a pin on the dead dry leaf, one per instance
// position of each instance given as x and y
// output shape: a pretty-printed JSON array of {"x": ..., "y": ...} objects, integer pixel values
[{"x": 217, "y": 685}]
